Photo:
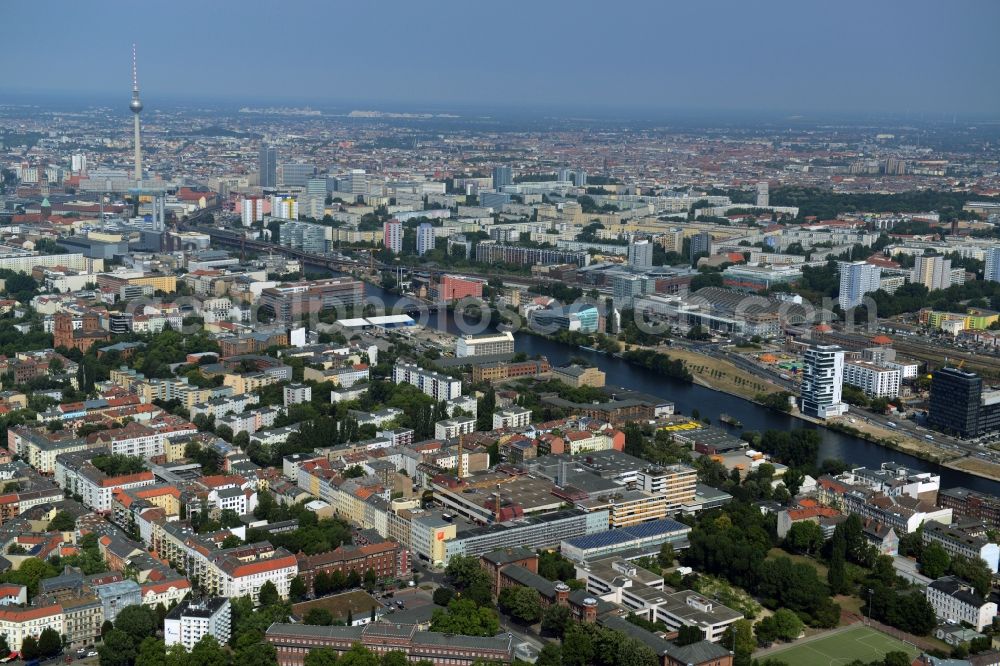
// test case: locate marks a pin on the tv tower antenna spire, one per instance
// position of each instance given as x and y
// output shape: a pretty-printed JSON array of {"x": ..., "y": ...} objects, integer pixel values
[{"x": 135, "y": 106}]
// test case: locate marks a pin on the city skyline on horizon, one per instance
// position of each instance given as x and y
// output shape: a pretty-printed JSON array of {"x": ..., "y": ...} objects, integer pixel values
[{"x": 730, "y": 68}]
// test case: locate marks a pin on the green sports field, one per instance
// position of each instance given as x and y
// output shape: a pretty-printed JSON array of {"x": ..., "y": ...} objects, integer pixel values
[{"x": 843, "y": 647}]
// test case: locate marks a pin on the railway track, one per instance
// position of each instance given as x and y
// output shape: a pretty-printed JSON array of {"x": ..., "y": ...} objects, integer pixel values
[{"x": 934, "y": 355}]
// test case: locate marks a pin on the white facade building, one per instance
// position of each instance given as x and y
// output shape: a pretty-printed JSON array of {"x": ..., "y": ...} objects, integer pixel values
[
  {"x": 453, "y": 428},
  {"x": 822, "y": 382},
  {"x": 294, "y": 394},
  {"x": 434, "y": 384},
  {"x": 425, "y": 238},
  {"x": 640, "y": 254},
  {"x": 992, "y": 259},
  {"x": 875, "y": 381},
  {"x": 958, "y": 542},
  {"x": 253, "y": 211},
  {"x": 857, "y": 278},
  {"x": 189, "y": 622},
  {"x": 285, "y": 207},
  {"x": 484, "y": 345},
  {"x": 955, "y": 600},
  {"x": 18, "y": 624},
  {"x": 512, "y": 417}
]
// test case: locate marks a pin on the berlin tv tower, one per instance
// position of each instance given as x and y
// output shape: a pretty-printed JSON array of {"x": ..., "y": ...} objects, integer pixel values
[{"x": 135, "y": 106}]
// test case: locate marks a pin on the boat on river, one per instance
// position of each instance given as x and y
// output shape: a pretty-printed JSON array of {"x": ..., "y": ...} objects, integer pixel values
[{"x": 730, "y": 420}]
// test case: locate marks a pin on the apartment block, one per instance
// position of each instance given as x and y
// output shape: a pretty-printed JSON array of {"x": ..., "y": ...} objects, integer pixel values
[
  {"x": 434, "y": 384},
  {"x": 511, "y": 418},
  {"x": 190, "y": 621},
  {"x": 956, "y": 601},
  {"x": 454, "y": 428},
  {"x": 958, "y": 542},
  {"x": 876, "y": 381}
]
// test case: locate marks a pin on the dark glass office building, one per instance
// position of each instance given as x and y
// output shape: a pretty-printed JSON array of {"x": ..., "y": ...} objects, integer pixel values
[
  {"x": 958, "y": 404},
  {"x": 267, "y": 166}
]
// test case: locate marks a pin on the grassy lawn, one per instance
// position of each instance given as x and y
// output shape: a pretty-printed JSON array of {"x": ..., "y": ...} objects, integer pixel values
[
  {"x": 977, "y": 466},
  {"x": 799, "y": 559},
  {"x": 842, "y": 647},
  {"x": 852, "y": 604},
  {"x": 721, "y": 374}
]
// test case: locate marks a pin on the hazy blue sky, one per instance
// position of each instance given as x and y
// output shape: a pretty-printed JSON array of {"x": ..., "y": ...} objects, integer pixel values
[{"x": 787, "y": 55}]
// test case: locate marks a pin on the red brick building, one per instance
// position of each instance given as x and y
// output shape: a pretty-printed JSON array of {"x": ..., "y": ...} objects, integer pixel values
[
  {"x": 386, "y": 559},
  {"x": 518, "y": 567},
  {"x": 293, "y": 642},
  {"x": 84, "y": 338}
]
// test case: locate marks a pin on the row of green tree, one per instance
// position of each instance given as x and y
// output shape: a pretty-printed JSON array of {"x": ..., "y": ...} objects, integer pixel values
[
  {"x": 659, "y": 363},
  {"x": 827, "y": 204}
]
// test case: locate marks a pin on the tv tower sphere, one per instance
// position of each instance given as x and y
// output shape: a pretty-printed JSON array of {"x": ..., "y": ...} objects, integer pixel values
[{"x": 135, "y": 106}]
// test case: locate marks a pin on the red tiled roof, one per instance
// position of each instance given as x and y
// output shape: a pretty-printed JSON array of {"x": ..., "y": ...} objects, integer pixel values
[
  {"x": 126, "y": 479},
  {"x": 220, "y": 480},
  {"x": 263, "y": 566},
  {"x": 176, "y": 583},
  {"x": 30, "y": 613},
  {"x": 812, "y": 512}
]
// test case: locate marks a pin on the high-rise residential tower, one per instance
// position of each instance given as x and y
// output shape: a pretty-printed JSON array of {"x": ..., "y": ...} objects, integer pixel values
[
  {"x": 392, "y": 236},
  {"x": 823, "y": 382},
  {"x": 425, "y": 238},
  {"x": 934, "y": 272},
  {"x": 502, "y": 176},
  {"x": 701, "y": 243},
  {"x": 640, "y": 254},
  {"x": 992, "y": 272},
  {"x": 763, "y": 197},
  {"x": 857, "y": 278}
]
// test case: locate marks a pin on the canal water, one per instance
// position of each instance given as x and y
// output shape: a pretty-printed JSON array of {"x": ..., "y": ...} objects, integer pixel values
[{"x": 687, "y": 397}]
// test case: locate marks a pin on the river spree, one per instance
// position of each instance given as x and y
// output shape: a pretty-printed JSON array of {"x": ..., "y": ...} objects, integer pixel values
[{"x": 687, "y": 397}]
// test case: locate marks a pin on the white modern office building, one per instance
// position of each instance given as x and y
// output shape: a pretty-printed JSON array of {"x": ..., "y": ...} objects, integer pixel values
[{"x": 485, "y": 345}]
